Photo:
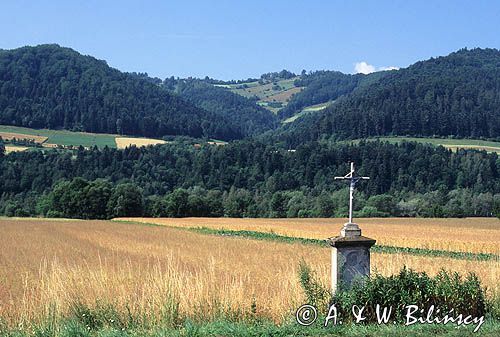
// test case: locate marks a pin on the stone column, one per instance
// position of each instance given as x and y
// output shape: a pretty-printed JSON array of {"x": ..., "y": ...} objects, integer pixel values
[{"x": 350, "y": 256}]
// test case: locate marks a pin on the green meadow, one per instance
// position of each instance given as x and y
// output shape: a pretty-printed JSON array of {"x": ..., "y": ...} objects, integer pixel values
[
  {"x": 307, "y": 110},
  {"x": 64, "y": 137}
]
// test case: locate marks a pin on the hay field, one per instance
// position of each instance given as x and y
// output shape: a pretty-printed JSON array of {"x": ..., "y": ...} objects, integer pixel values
[
  {"x": 123, "y": 142},
  {"x": 284, "y": 96},
  {"x": 14, "y": 148},
  {"x": 477, "y": 235},
  {"x": 59, "y": 262},
  {"x": 21, "y": 136},
  {"x": 49, "y": 265},
  {"x": 266, "y": 92}
]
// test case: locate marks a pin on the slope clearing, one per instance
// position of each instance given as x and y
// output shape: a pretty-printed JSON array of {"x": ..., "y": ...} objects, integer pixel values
[
  {"x": 64, "y": 138},
  {"x": 453, "y": 144}
]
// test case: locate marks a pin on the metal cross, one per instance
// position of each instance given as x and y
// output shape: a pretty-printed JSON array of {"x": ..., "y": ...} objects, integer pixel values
[{"x": 353, "y": 180}]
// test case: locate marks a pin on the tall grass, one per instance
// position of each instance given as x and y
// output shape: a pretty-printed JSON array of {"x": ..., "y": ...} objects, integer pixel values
[{"x": 125, "y": 295}]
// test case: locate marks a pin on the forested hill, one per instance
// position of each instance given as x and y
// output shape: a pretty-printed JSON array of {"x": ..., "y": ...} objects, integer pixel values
[
  {"x": 324, "y": 86},
  {"x": 456, "y": 95},
  {"x": 48, "y": 86},
  {"x": 250, "y": 117}
]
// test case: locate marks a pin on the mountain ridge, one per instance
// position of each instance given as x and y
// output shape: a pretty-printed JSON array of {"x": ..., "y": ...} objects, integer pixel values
[
  {"x": 457, "y": 95},
  {"x": 49, "y": 86}
]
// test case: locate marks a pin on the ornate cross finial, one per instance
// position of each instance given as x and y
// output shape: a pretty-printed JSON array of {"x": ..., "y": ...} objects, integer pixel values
[{"x": 350, "y": 228}]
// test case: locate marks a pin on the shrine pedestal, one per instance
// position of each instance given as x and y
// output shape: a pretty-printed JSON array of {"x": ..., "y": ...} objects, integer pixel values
[{"x": 350, "y": 257}]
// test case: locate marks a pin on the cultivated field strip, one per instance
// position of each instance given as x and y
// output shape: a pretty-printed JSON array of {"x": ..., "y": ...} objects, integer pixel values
[
  {"x": 317, "y": 242},
  {"x": 48, "y": 265},
  {"x": 10, "y": 148},
  {"x": 55, "y": 138},
  {"x": 19, "y": 136},
  {"x": 474, "y": 235},
  {"x": 123, "y": 142}
]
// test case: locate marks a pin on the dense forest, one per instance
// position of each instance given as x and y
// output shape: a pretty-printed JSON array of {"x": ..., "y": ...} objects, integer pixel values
[
  {"x": 52, "y": 87},
  {"x": 285, "y": 172},
  {"x": 249, "y": 178},
  {"x": 457, "y": 95},
  {"x": 250, "y": 117}
]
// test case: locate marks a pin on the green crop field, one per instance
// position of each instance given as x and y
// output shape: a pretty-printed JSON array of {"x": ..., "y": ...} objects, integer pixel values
[{"x": 65, "y": 138}]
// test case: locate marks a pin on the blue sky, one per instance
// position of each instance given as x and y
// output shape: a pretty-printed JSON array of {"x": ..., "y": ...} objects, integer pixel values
[{"x": 241, "y": 39}]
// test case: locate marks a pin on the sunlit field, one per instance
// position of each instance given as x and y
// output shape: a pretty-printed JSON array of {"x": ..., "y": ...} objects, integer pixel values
[
  {"x": 47, "y": 266},
  {"x": 123, "y": 142}
]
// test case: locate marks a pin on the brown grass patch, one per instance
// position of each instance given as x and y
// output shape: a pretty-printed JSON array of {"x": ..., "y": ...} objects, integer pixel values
[
  {"x": 284, "y": 96},
  {"x": 50, "y": 146},
  {"x": 20, "y": 136},
  {"x": 46, "y": 263},
  {"x": 123, "y": 142},
  {"x": 477, "y": 235}
]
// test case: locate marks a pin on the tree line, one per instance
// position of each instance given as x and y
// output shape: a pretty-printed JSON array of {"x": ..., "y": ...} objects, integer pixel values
[
  {"x": 249, "y": 178},
  {"x": 100, "y": 199}
]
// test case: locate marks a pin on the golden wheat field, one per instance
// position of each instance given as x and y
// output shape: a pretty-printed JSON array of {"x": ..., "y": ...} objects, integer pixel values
[
  {"x": 10, "y": 148},
  {"x": 48, "y": 265},
  {"x": 478, "y": 235},
  {"x": 123, "y": 142}
]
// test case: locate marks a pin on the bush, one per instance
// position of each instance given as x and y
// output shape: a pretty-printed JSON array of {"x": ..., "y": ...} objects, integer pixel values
[
  {"x": 316, "y": 293},
  {"x": 54, "y": 214},
  {"x": 445, "y": 291},
  {"x": 496, "y": 208},
  {"x": 370, "y": 212}
]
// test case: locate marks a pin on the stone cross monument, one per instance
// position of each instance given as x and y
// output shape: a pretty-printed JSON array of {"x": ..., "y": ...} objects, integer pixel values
[{"x": 350, "y": 250}]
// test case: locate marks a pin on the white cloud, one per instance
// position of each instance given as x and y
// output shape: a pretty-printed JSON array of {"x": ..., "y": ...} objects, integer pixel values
[
  {"x": 366, "y": 68},
  {"x": 363, "y": 68}
]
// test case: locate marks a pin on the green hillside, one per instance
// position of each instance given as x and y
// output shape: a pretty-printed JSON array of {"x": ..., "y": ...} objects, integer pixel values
[
  {"x": 50, "y": 87},
  {"x": 250, "y": 117},
  {"x": 272, "y": 95},
  {"x": 292, "y": 97},
  {"x": 452, "y": 96}
]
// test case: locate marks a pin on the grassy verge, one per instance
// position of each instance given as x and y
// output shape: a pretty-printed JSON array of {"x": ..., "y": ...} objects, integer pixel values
[
  {"x": 78, "y": 327},
  {"x": 290, "y": 239}
]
